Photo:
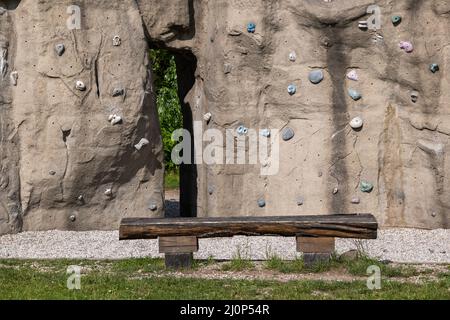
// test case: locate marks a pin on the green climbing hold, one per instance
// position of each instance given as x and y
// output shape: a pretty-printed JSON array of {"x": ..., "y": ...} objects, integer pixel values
[
  {"x": 396, "y": 20},
  {"x": 366, "y": 186}
]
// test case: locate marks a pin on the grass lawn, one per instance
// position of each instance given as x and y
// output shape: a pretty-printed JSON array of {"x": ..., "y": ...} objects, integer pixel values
[
  {"x": 147, "y": 279},
  {"x": 172, "y": 180}
]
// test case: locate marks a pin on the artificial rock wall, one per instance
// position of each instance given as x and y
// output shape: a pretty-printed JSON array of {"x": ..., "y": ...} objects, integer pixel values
[{"x": 64, "y": 165}]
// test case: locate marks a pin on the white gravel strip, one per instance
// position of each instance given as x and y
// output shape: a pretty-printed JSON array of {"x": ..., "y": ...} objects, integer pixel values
[{"x": 397, "y": 245}]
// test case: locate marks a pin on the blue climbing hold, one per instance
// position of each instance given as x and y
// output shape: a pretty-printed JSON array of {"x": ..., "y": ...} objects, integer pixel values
[
  {"x": 287, "y": 134},
  {"x": 261, "y": 203},
  {"x": 316, "y": 76},
  {"x": 354, "y": 94},
  {"x": 396, "y": 20},
  {"x": 241, "y": 130},
  {"x": 434, "y": 67},
  {"x": 292, "y": 89},
  {"x": 251, "y": 27}
]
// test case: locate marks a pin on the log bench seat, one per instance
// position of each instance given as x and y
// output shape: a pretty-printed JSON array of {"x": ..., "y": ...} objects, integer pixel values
[{"x": 315, "y": 234}]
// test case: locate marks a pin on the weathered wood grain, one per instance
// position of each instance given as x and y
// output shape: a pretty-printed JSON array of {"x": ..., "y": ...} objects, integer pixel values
[
  {"x": 315, "y": 245},
  {"x": 362, "y": 226}
]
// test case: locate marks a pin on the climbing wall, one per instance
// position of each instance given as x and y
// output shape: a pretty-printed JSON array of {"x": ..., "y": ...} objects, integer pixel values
[{"x": 362, "y": 112}]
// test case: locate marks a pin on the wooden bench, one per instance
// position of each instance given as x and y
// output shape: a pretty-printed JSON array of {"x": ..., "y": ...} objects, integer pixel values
[{"x": 178, "y": 237}]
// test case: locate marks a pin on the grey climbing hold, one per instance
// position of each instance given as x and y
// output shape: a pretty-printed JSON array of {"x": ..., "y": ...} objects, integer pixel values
[
  {"x": 52, "y": 173},
  {"x": 356, "y": 123},
  {"x": 265, "y": 133},
  {"x": 355, "y": 200},
  {"x": 80, "y": 85},
  {"x": 414, "y": 96},
  {"x": 60, "y": 49},
  {"x": 366, "y": 186},
  {"x": 316, "y": 76},
  {"x": 433, "y": 214},
  {"x": 153, "y": 207},
  {"x": 143, "y": 142},
  {"x": 13, "y": 77},
  {"x": 292, "y": 89},
  {"x": 335, "y": 190},
  {"x": 210, "y": 190},
  {"x": 300, "y": 201},
  {"x": 2, "y": 10},
  {"x": 292, "y": 56},
  {"x": 251, "y": 27},
  {"x": 227, "y": 68},
  {"x": 261, "y": 203},
  {"x": 72, "y": 218},
  {"x": 434, "y": 67},
  {"x": 117, "y": 41},
  {"x": 355, "y": 95},
  {"x": 396, "y": 20},
  {"x": 287, "y": 134},
  {"x": 241, "y": 130},
  {"x": 406, "y": 46},
  {"x": 118, "y": 92},
  {"x": 108, "y": 192}
]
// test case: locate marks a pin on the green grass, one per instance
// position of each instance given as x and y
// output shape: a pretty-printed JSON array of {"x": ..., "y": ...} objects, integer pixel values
[
  {"x": 172, "y": 180},
  {"x": 146, "y": 279}
]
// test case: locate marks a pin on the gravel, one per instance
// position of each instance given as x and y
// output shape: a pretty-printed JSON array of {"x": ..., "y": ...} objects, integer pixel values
[{"x": 397, "y": 245}]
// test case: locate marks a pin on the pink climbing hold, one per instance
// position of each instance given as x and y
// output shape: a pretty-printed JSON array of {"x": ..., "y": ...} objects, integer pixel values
[
  {"x": 407, "y": 46},
  {"x": 352, "y": 75}
]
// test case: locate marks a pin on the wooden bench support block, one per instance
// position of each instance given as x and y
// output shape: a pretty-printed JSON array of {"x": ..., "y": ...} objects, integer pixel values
[
  {"x": 182, "y": 244},
  {"x": 311, "y": 259},
  {"x": 315, "y": 245},
  {"x": 178, "y": 260}
]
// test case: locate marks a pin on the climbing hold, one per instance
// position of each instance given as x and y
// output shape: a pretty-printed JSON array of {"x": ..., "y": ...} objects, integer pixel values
[
  {"x": 207, "y": 116},
  {"x": 406, "y": 46},
  {"x": 352, "y": 75},
  {"x": 52, "y": 173},
  {"x": 72, "y": 218},
  {"x": 300, "y": 201},
  {"x": 292, "y": 56},
  {"x": 241, "y": 130},
  {"x": 108, "y": 192},
  {"x": 251, "y": 27},
  {"x": 433, "y": 214},
  {"x": 114, "y": 119},
  {"x": 227, "y": 68},
  {"x": 80, "y": 85},
  {"x": 362, "y": 25},
  {"x": 80, "y": 198},
  {"x": 287, "y": 134},
  {"x": 316, "y": 76},
  {"x": 335, "y": 190},
  {"x": 261, "y": 203},
  {"x": 396, "y": 20},
  {"x": 59, "y": 49},
  {"x": 434, "y": 67},
  {"x": 117, "y": 41},
  {"x": 2, "y": 10},
  {"x": 366, "y": 186},
  {"x": 210, "y": 190},
  {"x": 143, "y": 142},
  {"x": 153, "y": 207},
  {"x": 292, "y": 89},
  {"x": 13, "y": 77},
  {"x": 118, "y": 92},
  {"x": 355, "y": 200},
  {"x": 414, "y": 96},
  {"x": 356, "y": 123},
  {"x": 354, "y": 94},
  {"x": 265, "y": 133}
]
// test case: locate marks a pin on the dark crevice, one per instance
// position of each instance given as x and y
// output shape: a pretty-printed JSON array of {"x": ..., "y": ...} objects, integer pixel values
[
  {"x": 65, "y": 134},
  {"x": 97, "y": 78},
  {"x": 9, "y": 4}
]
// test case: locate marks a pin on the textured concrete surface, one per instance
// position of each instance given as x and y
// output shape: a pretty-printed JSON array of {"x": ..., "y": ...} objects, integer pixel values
[
  {"x": 59, "y": 154},
  {"x": 398, "y": 245}
]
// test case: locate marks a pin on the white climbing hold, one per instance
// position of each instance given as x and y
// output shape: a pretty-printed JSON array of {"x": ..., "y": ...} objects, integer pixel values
[
  {"x": 356, "y": 200},
  {"x": 352, "y": 75},
  {"x": 356, "y": 123},
  {"x": 13, "y": 77},
  {"x": 153, "y": 207},
  {"x": 72, "y": 218},
  {"x": 265, "y": 133},
  {"x": 143, "y": 142},
  {"x": 207, "y": 116},
  {"x": 80, "y": 197},
  {"x": 292, "y": 56},
  {"x": 362, "y": 24},
  {"x": 59, "y": 49},
  {"x": 2, "y": 10},
  {"x": 114, "y": 119},
  {"x": 414, "y": 96},
  {"x": 117, "y": 41},
  {"x": 108, "y": 192},
  {"x": 80, "y": 85},
  {"x": 335, "y": 190}
]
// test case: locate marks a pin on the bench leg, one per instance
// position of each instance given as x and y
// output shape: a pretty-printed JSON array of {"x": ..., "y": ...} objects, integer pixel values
[
  {"x": 315, "y": 250},
  {"x": 178, "y": 251}
]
